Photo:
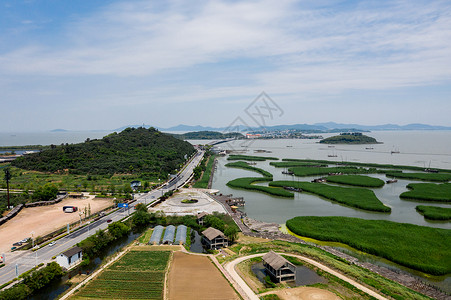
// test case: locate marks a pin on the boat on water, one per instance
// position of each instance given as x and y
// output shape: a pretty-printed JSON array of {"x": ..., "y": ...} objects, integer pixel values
[
  {"x": 392, "y": 181},
  {"x": 288, "y": 172},
  {"x": 332, "y": 155},
  {"x": 369, "y": 148}
]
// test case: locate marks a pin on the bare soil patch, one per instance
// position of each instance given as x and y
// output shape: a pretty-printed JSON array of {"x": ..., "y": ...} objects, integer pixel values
[
  {"x": 196, "y": 277},
  {"x": 304, "y": 293},
  {"x": 45, "y": 219}
]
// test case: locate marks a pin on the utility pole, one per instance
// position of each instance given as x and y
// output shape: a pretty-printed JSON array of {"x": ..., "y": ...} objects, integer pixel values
[{"x": 7, "y": 178}]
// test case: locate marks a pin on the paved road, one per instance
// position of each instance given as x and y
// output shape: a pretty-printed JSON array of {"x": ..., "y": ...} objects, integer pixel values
[
  {"x": 230, "y": 268},
  {"x": 26, "y": 260}
]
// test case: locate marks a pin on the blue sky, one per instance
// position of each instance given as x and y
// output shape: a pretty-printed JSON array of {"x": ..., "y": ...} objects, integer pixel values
[{"x": 82, "y": 65}]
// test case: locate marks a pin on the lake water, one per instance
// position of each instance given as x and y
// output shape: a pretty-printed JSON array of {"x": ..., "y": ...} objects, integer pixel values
[
  {"x": 48, "y": 138},
  {"x": 417, "y": 148}
]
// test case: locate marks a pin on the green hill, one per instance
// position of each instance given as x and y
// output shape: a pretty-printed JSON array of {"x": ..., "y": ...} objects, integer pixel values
[
  {"x": 135, "y": 151},
  {"x": 350, "y": 138}
]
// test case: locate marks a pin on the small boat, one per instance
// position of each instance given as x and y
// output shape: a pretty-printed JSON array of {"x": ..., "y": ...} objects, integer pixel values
[
  {"x": 287, "y": 172},
  {"x": 369, "y": 148},
  {"x": 391, "y": 181},
  {"x": 332, "y": 155}
]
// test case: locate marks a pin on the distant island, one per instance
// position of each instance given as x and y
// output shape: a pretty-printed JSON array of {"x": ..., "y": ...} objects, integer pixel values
[{"x": 350, "y": 138}]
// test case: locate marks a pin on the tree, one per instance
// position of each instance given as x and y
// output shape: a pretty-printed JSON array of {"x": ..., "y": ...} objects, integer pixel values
[
  {"x": 141, "y": 207},
  {"x": 46, "y": 192},
  {"x": 141, "y": 218},
  {"x": 7, "y": 178},
  {"x": 118, "y": 229},
  {"x": 231, "y": 232}
]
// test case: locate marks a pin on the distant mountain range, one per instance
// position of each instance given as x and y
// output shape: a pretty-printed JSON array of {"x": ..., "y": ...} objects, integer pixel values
[{"x": 317, "y": 127}]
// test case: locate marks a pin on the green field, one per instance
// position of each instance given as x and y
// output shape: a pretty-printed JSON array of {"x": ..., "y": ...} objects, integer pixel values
[
  {"x": 288, "y": 164},
  {"x": 137, "y": 275},
  {"x": 357, "y": 180},
  {"x": 246, "y": 166},
  {"x": 309, "y": 171},
  {"x": 421, "y": 248},
  {"x": 440, "y": 177},
  {"x": 353, "y": 197},
  {"x": 246, "y": 183},
  {"x": 434, "y": 212},
  {"x": 428, "y": 192},
  {"x": 250, "y": 157},
  {"x": 365, "y": 165},
  {"x": 203, "y": 182}
]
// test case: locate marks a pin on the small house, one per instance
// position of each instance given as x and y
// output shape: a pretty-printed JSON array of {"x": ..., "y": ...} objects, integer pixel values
[
  {"x": 69, "y": 258},
  {"x": 135, "y": 184},
  {"x": 278, "y": 268},
  {"x": 212, "y": 238},
  {"x": 200, "y": 218}
]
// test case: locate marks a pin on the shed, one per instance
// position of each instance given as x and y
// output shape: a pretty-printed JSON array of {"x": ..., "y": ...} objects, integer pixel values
[
  {"x": 70, "y": 257},
  {"x": 200, "y": 217},
  {"x": 180, "y": 236},
  {"x": 214, "y": 238},
  {"x": 169, "y": 233},
  {"x": 278, "y": 268},
  {"x": 156, "y": 235}
]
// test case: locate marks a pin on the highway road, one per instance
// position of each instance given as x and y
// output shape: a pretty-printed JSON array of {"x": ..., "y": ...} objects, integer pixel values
[{"x": 26, "y": 260}]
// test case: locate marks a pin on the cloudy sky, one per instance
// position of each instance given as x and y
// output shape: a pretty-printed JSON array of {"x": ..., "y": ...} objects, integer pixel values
[{"x": 102, "y": 64}]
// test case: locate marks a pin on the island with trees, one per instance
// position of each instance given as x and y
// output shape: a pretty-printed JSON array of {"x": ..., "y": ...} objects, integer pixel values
[{"x": 350, "y": 138}]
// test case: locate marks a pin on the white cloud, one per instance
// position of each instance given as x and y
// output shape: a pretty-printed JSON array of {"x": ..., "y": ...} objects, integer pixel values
[{"x": 312, "y": 49}]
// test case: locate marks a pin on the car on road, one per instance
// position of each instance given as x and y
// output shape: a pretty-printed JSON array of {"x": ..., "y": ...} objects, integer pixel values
[
  {"x": 52, "y": 244},
  {"x": 109, "y": 221}
]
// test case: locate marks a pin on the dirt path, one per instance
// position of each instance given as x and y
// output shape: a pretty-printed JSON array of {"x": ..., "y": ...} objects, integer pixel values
[
  {"x": 196, "y": 277},
  {"x": 304, "y": 293},
  {"x": 44, "y": 219},
  {"x": 230, "y": 268}
]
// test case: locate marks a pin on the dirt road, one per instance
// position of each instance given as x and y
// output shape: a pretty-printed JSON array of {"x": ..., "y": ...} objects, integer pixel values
[{"x": 230, "y": 268}]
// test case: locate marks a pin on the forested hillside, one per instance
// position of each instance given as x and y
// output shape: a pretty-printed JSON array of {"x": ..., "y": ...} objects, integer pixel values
[{"x": 134, "y": 150}]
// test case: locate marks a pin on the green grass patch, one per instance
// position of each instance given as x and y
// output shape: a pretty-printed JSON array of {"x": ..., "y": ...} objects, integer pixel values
[
  {"x": 250, "y": 157},
  {"x": 145, "y": 237},
  {"x": 357, "y": 180},
  {"x": 203, "y": 182},
  {"x": 246, "y": 166},
  {"x": 137, "y": 275},
  {"x": 354, "y": 197},
  {"x": 246, "y": 183},
  {"x": 288, "y": 164},
  {"x": 428, "y": 192},
  {"x": 366, "y": 165},
  {"x": 421, "y": 248},
  {"x": 309, "y": 171},
  {"x": 439, "y": 177},
  {"x": 434, "y": 212}
]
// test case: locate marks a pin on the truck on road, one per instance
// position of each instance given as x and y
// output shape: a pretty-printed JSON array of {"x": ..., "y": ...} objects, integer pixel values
[{"x": 70, "y": 209}]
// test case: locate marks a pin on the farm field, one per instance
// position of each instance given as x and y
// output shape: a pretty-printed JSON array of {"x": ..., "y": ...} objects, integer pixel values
[
  {"x": 196, "y": 277},
  {"x": 137, "y": 275}
]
